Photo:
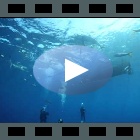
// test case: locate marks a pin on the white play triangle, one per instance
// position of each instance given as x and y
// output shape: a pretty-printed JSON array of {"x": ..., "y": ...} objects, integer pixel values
[{"x": 72, "y": 70}]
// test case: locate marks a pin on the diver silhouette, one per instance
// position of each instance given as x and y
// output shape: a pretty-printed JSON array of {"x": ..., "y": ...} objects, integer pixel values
[
  {"x": 124, "y": 68},
  {"x": 60, "y": 121},
  {"x": 82, "y": 111},
  {"x": 43, "y": 115}
]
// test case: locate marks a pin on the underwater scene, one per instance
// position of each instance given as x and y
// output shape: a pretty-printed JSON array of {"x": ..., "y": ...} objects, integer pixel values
[{"x": 69, "y": 70}]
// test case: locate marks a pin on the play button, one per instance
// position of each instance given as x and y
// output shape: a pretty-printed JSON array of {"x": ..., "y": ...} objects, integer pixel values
[{"x": 72, "y": 69}]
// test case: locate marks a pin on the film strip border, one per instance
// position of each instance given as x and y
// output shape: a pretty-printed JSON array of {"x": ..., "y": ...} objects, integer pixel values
[
  {"x": 71, "y": 8},
  {"x": 73, "y": 131}
]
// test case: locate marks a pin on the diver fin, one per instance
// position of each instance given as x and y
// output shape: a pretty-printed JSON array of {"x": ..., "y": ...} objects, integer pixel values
[{"x": 47, "y": 102}]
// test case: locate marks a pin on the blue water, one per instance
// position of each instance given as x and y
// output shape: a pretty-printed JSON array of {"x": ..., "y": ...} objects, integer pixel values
[{"x": 22, "y": 41}]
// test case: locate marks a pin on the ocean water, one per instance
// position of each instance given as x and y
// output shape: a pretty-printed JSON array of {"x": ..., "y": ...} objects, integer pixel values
[{"x": 23, "y": 40}]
